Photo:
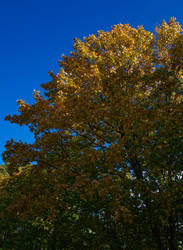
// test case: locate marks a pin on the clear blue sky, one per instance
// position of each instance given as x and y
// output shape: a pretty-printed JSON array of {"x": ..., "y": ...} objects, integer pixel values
[{"x": 35, "y": 33}]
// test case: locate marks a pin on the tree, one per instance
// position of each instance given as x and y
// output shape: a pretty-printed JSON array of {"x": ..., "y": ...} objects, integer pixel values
[{"x": 108, "y": 143}]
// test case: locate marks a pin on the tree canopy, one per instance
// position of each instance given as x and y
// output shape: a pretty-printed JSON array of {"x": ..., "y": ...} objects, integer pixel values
[{"x": 105, "y": 170}]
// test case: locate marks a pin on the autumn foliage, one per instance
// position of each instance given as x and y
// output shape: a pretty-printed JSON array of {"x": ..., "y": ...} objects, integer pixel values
[{"x": 105, "y": 169}]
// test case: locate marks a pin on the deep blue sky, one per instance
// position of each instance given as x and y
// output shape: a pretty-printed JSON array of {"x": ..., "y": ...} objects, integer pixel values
[{"x": 35, "y": 33}]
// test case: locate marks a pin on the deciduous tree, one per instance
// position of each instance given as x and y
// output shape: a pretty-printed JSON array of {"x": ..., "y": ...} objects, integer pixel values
[{"x": 108, "y": 141}]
